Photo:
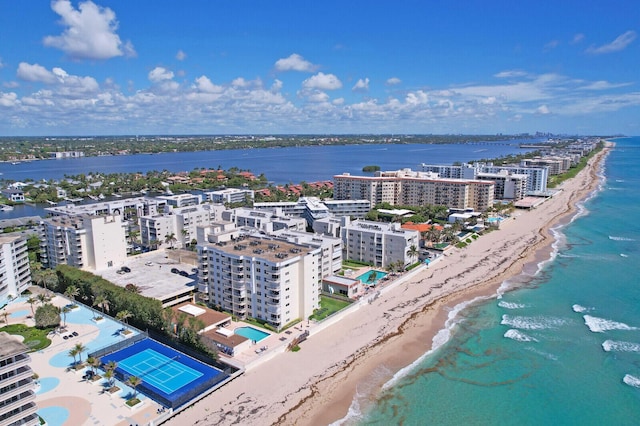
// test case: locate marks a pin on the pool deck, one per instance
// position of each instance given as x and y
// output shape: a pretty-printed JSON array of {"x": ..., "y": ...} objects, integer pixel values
[{"x": 85, "y": 402}]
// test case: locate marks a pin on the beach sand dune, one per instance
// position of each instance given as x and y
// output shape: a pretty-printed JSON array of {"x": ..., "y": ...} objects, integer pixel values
[{"x": 317, "y": 385}]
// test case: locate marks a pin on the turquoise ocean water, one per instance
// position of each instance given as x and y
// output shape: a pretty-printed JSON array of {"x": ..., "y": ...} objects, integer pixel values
[{"x": 562, "y": 349}]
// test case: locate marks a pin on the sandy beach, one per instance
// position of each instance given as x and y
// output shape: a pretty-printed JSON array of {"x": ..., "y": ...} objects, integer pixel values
[{"x": 360, "y": 353}]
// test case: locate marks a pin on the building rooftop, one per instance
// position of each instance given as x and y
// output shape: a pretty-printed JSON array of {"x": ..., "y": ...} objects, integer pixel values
[
  {"x": 10, "y": 345},
  {"x": 271, "y": 250}
]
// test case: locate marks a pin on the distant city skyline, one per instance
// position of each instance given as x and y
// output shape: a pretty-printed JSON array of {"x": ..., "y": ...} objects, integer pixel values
[{"x": 238, "y": 67}]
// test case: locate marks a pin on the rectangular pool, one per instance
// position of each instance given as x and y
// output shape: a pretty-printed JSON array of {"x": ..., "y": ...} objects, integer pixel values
[{"x": 371, "y": 277}]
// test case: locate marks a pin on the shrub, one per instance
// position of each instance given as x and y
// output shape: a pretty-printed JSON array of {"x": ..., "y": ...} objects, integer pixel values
[{"x": 47, "y": 315}]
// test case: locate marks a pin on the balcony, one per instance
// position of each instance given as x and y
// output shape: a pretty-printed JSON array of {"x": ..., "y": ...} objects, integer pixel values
[
  {"x": 239, "y": 285},
  {"x": 272, "y": 285},
  {"x": 273, "y": 309}
]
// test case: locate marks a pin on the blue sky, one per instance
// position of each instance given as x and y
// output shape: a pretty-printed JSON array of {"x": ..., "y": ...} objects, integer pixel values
[{"x": 235, "y": 67}]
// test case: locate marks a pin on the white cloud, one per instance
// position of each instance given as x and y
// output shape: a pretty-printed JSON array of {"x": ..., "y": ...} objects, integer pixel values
[
  {"x": 35, "y": 72},
  {"x": 205, "y": 85},
  {"x": 11, "y": 84},
  {"x": 90, "y": 32},
  {"x": 393, "y": 81},
  {"x": 620, "y": 43},
  {"x": 338, "y": 101},
  {"x": 318, "y": 96},
  {"x": 603, "y": 85},
  {"x": 543, "y": 109},
  {"x": 8, "y": 99},
  {"x": 181, "y": 56},
  {"x": 295, "y": 62},
  {"x": 322, "y": 81},
  {"x": 577, "y": 38},
  {"x": 510, "y": 74},
  {"x": 361, "y": 85},
  {"x": 159, "y": 74},
  {"x": 1, "y": 64}
]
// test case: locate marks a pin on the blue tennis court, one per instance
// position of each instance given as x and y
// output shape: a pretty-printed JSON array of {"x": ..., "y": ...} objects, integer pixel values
[{"x": 167, "y": 375}]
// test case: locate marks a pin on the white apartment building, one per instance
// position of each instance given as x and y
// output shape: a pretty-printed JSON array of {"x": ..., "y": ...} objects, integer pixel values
[
  {"x": 556, "y": 166},
  {"x": 86, "y": 242},
  {"x": 273, "y": 281},
  {"x": 356, "y": 209},
  {"x": 507, "y": 186},
  {"x": 15, "y": 274},
  {"x": 181, "y": 222},
  {"x": 331, "y": 263},
  {"x": 331, "y": 226},
  {"x": 17, "y": 389},
  {"x": 181, "y": 200},
  {"x": 536, "y": 182},
  {"x": 141, "y": 206},
  {"x": 230, "y": 195},
  {"x": 263, "y": 220},
  {"x": 379, "y": 244},
  {"x": 407, "y": 187}
]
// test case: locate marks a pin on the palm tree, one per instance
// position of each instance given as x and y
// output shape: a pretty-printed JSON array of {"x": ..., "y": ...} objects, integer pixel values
[
  {"x": 72, "y": 292},
  {"x": 170, "y": 239},
  {"x": 43, "y": 298},
  {"x": 94, "y": 363},
  {"x": 124, "y": 316},
  {"x": 73, "y": 352},
  {"x": 101, "y": 302},
  {"x": 32, "y": 301},
  {"x": 134, "y": 382},
  {"x": 65, "y": 310},
  {"x": 413, "y": 251},
  {"x": 110, "y": 366},
  {"x": 79, "y": 347}
]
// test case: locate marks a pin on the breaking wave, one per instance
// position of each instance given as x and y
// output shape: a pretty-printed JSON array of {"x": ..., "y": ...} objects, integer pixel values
[
  {"x": 519, "y": 336},
  {"x": 511, "y": 305},
  {"x": 600, "y": 325},
  {"x": 631, "y": 380},
  {"x": 532, "y": 323},
  {"x": 617, "y": 346},
  {"x": 611, "y": 237}
]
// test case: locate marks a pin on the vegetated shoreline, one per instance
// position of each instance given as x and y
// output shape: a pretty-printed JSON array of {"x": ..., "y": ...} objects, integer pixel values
[{"x": 364, "y": 350}]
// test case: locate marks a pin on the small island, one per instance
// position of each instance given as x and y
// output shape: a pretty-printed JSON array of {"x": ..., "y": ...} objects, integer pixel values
[{"x": 371, "y": 168}]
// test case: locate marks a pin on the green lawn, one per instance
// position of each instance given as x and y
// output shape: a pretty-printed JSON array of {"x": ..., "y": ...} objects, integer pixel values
[
  {"x": 328, "y": 306},
  {"x": 34, "y": 338}
]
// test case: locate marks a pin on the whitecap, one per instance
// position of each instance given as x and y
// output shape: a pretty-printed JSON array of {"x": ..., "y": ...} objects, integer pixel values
[
  {"x": 618, "y": 346},
  {"x": 578, "y": 308},
  {"x": 542, "y": 353},
  {"x": 614, "y": 238},
  {"x": 532, "y": 323},
  {"x": 511, "y": 305},
  {"x": 624, "y": 255},
  {"x": 600, "y": 325},
  {"x": 631, "y": 380},
  {"x": 519, "y": 336}
]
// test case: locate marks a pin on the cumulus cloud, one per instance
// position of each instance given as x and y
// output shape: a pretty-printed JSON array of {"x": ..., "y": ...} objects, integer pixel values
[
  {"x": 620, "y": 43},
  {"x": 8, "y": 99},
  {"x": 205, "y": 85},
  {"x": 159, "y": 74},
  {"x": 35, "y": 72},
  {"x": 543, "y": 110},
  {"x": 181, "y": 56},
  {"x": 361, "y": 85},
  {"x": 322, "y": 81},
  {"x": 90, "y": 32},
  {"x": 393, "y": 81},
  {"x": 295, "y": 62}
]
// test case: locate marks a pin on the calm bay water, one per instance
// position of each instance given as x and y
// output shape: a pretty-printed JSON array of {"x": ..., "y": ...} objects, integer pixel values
[
  {"x": 563, "y": 349},
  {"x": 280, "y": 165}
]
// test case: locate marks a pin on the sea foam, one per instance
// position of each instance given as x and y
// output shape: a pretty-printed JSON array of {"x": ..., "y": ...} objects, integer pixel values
[
  {"x": 578, "y": 308},
  {"x": 519, "y": 336},
  {"x": 631, "y": 380},
  {"x": 611, "y": 237},
  {"x": 511, "y": 305},
  {"x": 617, "y": 346},
  {"x": 600, "y": 325},
  {"x": 532, "y": 323}
]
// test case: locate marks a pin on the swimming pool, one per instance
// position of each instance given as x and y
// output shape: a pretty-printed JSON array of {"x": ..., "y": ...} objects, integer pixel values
[
  {"x": 369, "y": 278},
  {"x": 251, "y": 333}
]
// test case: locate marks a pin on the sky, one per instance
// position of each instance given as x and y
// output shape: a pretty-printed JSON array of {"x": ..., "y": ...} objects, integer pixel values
[{"x": 107, "y": 67}]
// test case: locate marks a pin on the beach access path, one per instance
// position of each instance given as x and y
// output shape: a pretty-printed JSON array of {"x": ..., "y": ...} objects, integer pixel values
[{"x": 361, "y": 352}]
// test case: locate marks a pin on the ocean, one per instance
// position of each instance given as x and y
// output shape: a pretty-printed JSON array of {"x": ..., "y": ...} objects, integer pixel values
[{"x": 562, "y": 348}]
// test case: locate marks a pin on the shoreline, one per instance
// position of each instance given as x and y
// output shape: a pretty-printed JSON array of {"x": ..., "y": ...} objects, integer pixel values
[{"x": 365, "y": 349}]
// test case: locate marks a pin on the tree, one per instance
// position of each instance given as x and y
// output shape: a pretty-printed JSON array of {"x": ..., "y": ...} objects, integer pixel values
[
  {"x": 79, "y": 347},
  {"x": 94, "y": 363},
  {"x": 170, "y": 239},
  {"x": 134, "y": 382},
  {"x": 124, "y": 316},
  {"x": 110, "y": 376},
  {"x": 73, "y": 352},
  {"x": 32, "y": 301},
  {"x": 72, "y": 292},
  {"x": 43, "y": 298},
  {"x": 101, "y": 302},
  {"x": 47, "y": 315},
  {"x": 65, "y": 310},
  {"x": 413, "y": 251}
]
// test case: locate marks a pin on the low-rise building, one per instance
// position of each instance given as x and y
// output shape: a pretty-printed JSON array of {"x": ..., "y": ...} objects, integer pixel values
[
  {"x": 230, "y": 195},
  {"x": 264, "y": 220},
  {"x": 14, "y": 194}
]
